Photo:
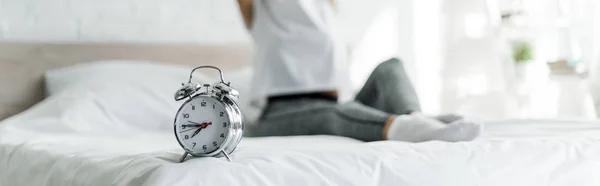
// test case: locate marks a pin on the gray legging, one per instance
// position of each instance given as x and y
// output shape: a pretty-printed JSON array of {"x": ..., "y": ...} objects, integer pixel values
[{"x": 387, "y": 91}]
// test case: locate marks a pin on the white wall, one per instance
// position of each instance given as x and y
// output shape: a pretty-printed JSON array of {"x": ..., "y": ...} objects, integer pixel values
[
  {"x": 197, "y": 21},
  {"x": 121, "y": 20}
]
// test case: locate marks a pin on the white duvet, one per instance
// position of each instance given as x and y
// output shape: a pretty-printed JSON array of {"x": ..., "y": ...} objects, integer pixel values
[
  {"x": 510, "y": 153},
  {"x": 101, "y": 133}
]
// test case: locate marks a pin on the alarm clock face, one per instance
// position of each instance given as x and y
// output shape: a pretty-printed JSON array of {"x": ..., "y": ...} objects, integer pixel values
[{"x": 202, "y": 125}]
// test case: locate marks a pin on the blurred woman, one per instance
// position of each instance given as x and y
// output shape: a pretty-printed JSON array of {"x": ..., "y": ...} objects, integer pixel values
[{"x": 300, "y": 71}]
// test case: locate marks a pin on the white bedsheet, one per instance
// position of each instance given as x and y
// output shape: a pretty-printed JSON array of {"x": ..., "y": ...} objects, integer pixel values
[{"x": 512, "y": 152}]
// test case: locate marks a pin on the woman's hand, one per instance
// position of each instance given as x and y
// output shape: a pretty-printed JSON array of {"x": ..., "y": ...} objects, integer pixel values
[{"x": 246, "y": 7}]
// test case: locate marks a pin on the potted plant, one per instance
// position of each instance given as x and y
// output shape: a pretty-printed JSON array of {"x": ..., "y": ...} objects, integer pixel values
[{"x": 522, "y": 56}]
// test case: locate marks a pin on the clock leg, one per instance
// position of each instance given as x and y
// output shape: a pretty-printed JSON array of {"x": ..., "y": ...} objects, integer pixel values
[
  {"x": 183, "y": 157},
  {"x": 226, "y": 155}
]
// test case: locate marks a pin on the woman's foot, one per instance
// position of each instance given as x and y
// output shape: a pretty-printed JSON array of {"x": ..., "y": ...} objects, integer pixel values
[
  {"x": 461, "y": 130},
  {"x": 419, "y": 128},
  {"x": 448, "y": 118},
  {"x": 445, "y": 118}
]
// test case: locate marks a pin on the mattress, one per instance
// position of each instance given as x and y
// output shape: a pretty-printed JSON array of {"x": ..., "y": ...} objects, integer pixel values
[{"x": 510, "y": 152}]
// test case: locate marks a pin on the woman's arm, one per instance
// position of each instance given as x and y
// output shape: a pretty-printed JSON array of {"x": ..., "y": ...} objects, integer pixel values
[{"x": 246, "y": 10}]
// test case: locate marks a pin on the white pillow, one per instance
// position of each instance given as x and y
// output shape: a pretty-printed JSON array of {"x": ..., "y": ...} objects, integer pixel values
[
  {"x": 124, "y": 71},
  {"x": 130, "y": 95},
  {"x": 119, "y": 94}
]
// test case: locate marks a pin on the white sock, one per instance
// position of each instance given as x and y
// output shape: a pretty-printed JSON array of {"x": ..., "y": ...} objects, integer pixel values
[
  {"x": 419, "y": 128},
  {"x": 449, "y": 118}
]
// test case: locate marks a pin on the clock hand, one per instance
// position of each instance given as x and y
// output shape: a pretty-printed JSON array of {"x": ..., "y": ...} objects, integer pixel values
[
  {"x": 198, "y": 125},
  {"x": 201, "y": 125},
  {"x": 195, "y": 133},
  {"x": 188, "y": 130}
]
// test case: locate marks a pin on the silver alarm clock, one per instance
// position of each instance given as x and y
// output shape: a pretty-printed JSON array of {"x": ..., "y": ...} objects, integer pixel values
[{"x": 209, "y": 123}]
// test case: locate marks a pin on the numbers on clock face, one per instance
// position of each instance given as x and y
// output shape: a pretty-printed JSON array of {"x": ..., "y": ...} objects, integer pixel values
[{"x": 201, "y": 128}]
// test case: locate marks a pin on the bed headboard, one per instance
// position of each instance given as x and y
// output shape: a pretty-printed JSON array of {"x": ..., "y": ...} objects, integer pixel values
[{"x": 22, "y": 65}]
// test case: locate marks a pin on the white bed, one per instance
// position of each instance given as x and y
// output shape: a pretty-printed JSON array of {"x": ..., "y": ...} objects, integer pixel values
[
  {"x": 102, "y": 129},
  {"x": 510, "y": 153}
]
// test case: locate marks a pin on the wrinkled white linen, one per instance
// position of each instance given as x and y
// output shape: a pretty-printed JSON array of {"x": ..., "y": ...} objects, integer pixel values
[{"x": 510, "y": 153}]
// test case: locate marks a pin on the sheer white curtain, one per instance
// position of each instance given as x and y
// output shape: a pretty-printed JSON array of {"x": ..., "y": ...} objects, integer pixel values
[
  {"x": 460, "y": 59},
  {"x": 592, "y": 50}
]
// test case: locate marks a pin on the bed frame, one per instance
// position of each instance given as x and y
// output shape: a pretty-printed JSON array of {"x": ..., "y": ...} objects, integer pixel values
[{"x": 22, "y": 65}]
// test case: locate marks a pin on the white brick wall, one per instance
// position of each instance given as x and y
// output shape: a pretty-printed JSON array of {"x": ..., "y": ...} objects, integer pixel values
[
  {"x": 148, "y": 20},
  {"x": 121, "y": 20}
]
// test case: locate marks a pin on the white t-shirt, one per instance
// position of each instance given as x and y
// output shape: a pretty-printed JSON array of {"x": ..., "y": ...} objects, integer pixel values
[{"x": 297, "y": 49}]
